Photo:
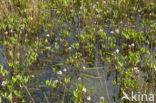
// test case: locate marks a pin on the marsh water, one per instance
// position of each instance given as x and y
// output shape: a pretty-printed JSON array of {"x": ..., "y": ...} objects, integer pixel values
[{"x": 100, "y": 84}]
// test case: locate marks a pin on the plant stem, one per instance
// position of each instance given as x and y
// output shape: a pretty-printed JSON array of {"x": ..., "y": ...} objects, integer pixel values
[
  {"x": 46, "y": 97},
  {"x": 28, "y": 93}
]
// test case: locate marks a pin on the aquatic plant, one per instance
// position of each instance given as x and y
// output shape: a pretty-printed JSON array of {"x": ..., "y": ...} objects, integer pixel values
[{"x": 78, "y": 41}]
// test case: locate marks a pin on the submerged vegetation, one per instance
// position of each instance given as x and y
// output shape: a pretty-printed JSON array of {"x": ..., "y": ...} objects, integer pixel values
[{"x": 76, "y": 51}]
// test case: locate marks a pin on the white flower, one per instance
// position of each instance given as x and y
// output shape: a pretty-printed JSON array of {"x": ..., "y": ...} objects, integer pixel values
[
  {"x": 121, "y": 22},
  {"x": 64, "y": 69},
  {"x": 138, "y": 10},
  {"x": 129, "y": 46},
  {"x": 150, "y": 14},
  {"x": 31, "y": 18},
  {"x": 11, "y": 30},
  {"x": 117, "y": 31},
  {"x": 48, "y": 47},
  {"x": 56, "y": 81},
  {"x": 117, "y": 50},
  {"x": 32, "y": 76},
  {"x": 69, "y": 48},
  {"x": 79, "y": 78},
  {"x": 102, "y": 98},
  {"x": 3, "y": 83},
  {"x": 81, "y": 8},
  {"x": 101, "y": 30},
  {"x": 154, "y": 68},
  {"x": 84, "y": 67},
  {"x": 59, "y": 72},
  {"x": 6, "y": 32},
  {"x": 48, "y": 35},
  {"x": 58, "y": 12},
  {"x": 118, "y": 84},
  {"x": 104, "y": 2},
  {"x": 132, "y": 44},
  {"x": 88, "y": 98},
  {"x": 135, "y": 68},
  {"x": 84, "y": 90},
  {"x": 112, "y": 32}
]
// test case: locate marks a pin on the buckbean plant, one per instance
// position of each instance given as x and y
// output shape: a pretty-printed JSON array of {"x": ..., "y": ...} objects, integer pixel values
[{"x": 77, "y": 41}]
